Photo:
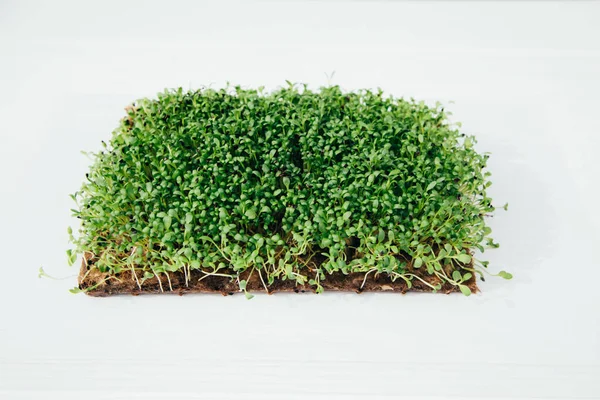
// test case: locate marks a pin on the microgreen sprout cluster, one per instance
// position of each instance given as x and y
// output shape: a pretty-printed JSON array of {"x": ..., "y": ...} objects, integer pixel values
[{"x": 289, "y": 185}]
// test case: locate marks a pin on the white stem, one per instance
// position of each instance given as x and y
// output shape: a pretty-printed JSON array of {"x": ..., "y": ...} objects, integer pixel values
[
  {"x": 263, "y": 282},
  {"x": 169, "y": 279},
  {"x": 213, "y": 273},
  {"x": 427, "y": 283},
  {"x": 159, "y": 282},
  {"x": 365, "y": 278},
  {"x": 185, "y": 276},
  {"x": 136, "y": 278}
]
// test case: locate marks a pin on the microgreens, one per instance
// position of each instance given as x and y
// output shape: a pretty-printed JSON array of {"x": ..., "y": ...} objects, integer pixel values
[{"x": 290, "y": 185}]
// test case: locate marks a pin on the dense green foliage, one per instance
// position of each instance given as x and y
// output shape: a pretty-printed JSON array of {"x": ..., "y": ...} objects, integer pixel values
[{"x": 285, "y": 183}]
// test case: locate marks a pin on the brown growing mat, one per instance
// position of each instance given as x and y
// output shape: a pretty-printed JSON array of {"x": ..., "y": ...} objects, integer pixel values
[{"x": 98, "y": 284}]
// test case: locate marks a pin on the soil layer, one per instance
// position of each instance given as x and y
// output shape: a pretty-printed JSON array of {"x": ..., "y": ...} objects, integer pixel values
[{"x": 96, "y": 283}]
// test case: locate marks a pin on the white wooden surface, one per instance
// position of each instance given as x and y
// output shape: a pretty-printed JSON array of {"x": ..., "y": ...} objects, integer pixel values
[{"x": 524, "y": 78}]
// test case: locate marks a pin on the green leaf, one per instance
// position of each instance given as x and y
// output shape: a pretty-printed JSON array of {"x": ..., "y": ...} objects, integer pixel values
[
  {"x": 391, "y": 237},
  {"x": 248, "y": 295},
  {"x": 464, "y": 258},
  {"x": 465, "y": 290},
  {"x": 286, "y": 182},
  {"x": 130, "y": 191},
  {"x": 243, "y": 284},
  {"x": 418, "y": 262},
  {"x": 43, "y": 274},
  {"x": 347, "y": 215},
  {"x": 430, "y": 268},
  {"x": 431, "y": 186},
  {"x": 75, "y": 290},
  {"x": 251, "y": 213},
  {"x": 456, "y": 276},
  {"x": 505, "y": 275},
  {"x": 71, "y": 257}
]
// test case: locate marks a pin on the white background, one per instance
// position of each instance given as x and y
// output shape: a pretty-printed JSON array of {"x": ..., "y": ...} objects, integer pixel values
[{"x": 525, "y": 80}]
